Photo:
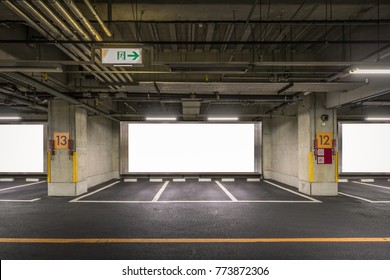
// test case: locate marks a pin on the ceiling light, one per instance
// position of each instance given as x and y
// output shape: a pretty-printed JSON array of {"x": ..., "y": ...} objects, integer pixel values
[
  {"x": 369, "y": 71},
  {"x": 222, "y": 118},
  {"x": 377, "y": 119},
  {"x": 123, "y": 65},
  {"x": 161, "y": 118},
  {"x": 208, "y": 68},
  {"x": 10, "y": 118}
]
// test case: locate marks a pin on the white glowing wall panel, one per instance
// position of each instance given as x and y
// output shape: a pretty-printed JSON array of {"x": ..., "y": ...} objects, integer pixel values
[
  {"x": 21, "y": 148},
  {"x": 191, "y": 147},
  {"x": 366, "y": 148}
]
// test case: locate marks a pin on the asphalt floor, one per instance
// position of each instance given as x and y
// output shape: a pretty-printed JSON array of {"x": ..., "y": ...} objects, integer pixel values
[{"x": 194, "y": 220}]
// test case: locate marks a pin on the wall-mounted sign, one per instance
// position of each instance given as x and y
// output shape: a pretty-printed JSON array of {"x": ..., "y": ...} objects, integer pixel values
[
  {"x": 324, "y": 156},
  {"x": 61, "y": 140},
  {"x": 324, "y": 140},
  {"x": 122, "y": 56}
]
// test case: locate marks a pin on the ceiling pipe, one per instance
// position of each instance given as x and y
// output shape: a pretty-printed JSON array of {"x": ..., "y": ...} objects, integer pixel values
[
  {"x": 34, "y": 83},
  {"x": 86, "y": 23},
  {"x": 5, "y": 69},
  {"x": 37, "y": 27},
  {"x": 59, "y": 8},
  {"x": 54, "y": 31},
  {"x": 72, "y": 6},
  {"x": 49, "y": 13},
  {"x": 97, "y": 17},
  {"x": 32, "y": 23},
  {"x": 22, "y": 101}
]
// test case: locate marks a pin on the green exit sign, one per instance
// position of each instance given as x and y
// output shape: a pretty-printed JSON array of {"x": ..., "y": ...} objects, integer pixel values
[{"x": 122, "y": 56}]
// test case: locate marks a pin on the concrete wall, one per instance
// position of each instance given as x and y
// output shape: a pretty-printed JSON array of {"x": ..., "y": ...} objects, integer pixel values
[
  {"x": 102, "y": 150},
  {"x": 280, "y": 149}
]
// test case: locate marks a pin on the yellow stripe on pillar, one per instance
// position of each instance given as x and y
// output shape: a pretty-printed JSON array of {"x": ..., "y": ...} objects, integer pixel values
[
  {"x": 75, "y": 179},
  {"x": 337, "y": 167},
  {"x": 48, "y": 167},
  {"x": 311, "y": 171}
]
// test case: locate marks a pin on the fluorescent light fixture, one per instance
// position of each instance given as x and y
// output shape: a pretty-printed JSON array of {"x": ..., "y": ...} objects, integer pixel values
[
  {"x": 10, "y": 118},
  {"x": 161, "y": 118},
  {"x": 377, "y": 119},
  {"x": 369, "y": 71},
  {"x": 222, "y": 118},
  {"x": 123, "y": 65}
]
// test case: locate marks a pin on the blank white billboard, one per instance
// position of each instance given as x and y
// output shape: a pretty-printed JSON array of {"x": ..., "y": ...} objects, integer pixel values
[
  {"x": 21, "y": 148},
  {"x": 365, "y": 148},
  {"x": 191, "y": 148}
]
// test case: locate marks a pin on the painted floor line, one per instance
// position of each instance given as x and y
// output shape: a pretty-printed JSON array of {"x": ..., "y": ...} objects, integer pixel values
[
  {"x": 291, "y": 191},
  {"x": 21, "y": 186},
  {"x": 193, "y": 201},
  {"x": 229, "y": 194},
  {"x": 157, "y": 196},
  {"x": 19, "y": 200},
  {"x": 88, "y": 194},
  {"x": 372, "y": 185},
  {"x": 357, "y": 197},
  {"x": 197, "y": 240}
]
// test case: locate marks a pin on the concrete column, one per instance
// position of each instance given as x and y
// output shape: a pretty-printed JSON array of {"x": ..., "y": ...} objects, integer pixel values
[
  {"x": 315, "y": 179},
  {"x": 67, "y": 176}
]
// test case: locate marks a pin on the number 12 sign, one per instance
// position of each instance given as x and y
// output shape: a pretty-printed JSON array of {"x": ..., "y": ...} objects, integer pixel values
[
  {"x": 61, "y": 140},
  {"x": 325, "y": 140}
]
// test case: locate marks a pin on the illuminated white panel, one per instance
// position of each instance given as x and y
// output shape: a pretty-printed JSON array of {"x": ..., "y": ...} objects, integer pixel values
[
  {"x": 21, "y": 148},
  {"x": 191, "y": 147},
  {"x": 366, "y": 148}
]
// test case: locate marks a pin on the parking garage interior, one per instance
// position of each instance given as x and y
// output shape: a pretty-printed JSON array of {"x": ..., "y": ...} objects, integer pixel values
[{"x": 194, "y": 130}]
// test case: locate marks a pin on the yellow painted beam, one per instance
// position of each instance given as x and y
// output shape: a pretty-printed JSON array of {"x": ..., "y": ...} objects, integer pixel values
[
  {"x": 48, "y": 167},
  {"x": 311, "y": 167},
  {"x": 198, "y": 240},
  {"x": 75, "y": 177}
]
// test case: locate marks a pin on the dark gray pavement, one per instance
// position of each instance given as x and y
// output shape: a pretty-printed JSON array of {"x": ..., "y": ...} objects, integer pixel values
[
  {"x": 193, "y": 190},
  {"x": 367, "y": 191},
  {"x": 55, "y": 217}
]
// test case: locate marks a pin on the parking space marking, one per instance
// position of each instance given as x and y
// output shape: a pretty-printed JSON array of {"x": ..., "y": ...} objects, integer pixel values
[
  {"x": 226, "y": 191},
  {"x": 372, "y": 185},
  {"x": 19, "y": 200},
  {"x": 200, "y": 240},
  {"x": 357, "y": 197},
  {"x": 294, "y": 192},
  {"x": 21, "y": 186},
  {"x": 88, "y": 194},
  {"x": 192, "y": 201},
  {"x": 157, "y": 196}
]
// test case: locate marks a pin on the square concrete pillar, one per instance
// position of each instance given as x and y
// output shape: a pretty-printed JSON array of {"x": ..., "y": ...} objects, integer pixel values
[
  {"x": 315, "y": 179},
  {"x": 67, "y": 175}
]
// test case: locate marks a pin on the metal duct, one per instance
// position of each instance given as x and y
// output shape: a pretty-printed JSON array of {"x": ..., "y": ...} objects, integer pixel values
[
  {"x": 23, "y": 101},
  {"x": 32, "y": 82}
]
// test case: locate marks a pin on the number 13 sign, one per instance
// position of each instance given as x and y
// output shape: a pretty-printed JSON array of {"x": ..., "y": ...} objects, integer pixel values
[
  {"x": 324, "y": 140},
  {"x": 61, "y": 140}
]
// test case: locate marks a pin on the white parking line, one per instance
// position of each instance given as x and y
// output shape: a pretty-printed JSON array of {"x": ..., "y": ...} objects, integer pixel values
[
  {"x": 226, "y": 191},
  {"x": 19, "y": 200},
  {"x": 157, "y": 196},
  {"x": 88, "y": 194},
  {"x": 21, "y": 186},
  {"x": 372, "y": 185},
  {"x": 193, "y": 201},
  {"x": 357, "y": 197},
  {"x": 291, "y": 191}
]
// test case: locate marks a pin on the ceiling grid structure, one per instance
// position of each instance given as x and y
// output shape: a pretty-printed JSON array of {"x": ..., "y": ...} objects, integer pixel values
[{"x": 222, "y": 51}]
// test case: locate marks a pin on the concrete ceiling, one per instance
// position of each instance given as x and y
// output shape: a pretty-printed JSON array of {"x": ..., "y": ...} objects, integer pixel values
[{"x": 246, "y": 56}]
